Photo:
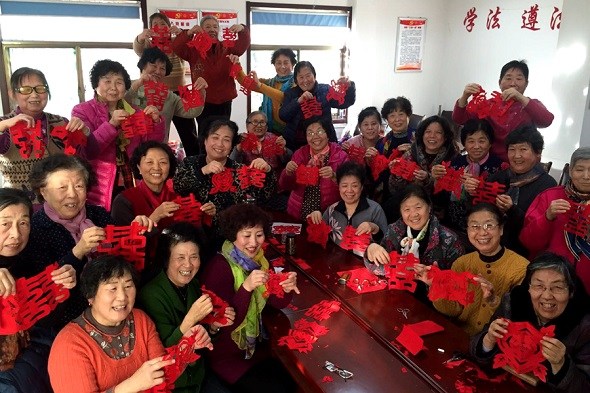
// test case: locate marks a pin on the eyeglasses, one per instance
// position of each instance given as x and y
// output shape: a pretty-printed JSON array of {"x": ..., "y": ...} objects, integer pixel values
[
  {"x": 26, "y": 90},
  {"x": 344, "y": 374},
  {"x": 488, "y": 226},
  {"x": 258, "y": 123},
  {"x": 320, "y": 132},
  {"x": 554, "y": 290}
]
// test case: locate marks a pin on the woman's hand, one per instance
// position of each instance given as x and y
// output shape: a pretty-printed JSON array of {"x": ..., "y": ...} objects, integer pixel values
[
  {"x": 512, "y": 94},
  {"x": 326, "y": 172},
  {"x": 230, "y": 315},
  {"x": 65, "y": 275},
  {"x": 144, "y": 221},
  {"x": 315, "y": 217},
  {"x": 404, "y": 147},
  {"x": 420, "y": 174},
  {"x": 345, "y": 145},
  {"x": 202, "y": 307},
  {"x": 166, "y": 209},
  {"x": 366, "y": 227},
  {"x": 234, "y": 59},
  {"x": 254, "y": 76},
  {"x": 496, "y": 331},
  {"x": 291, "y": 167},
  {"x": 202, "y": 338},
  {"x": 305, "y": 96},
  {"x": 200, "y": 84},
  {"x": 75, "y": 124},
  {"x": 281, "y": 142},
  {"x": 371, "y": 152},
  {"x": 7, "y": 283},
  {"x": 343, "y": 80},
  {"x": 504, "y": 202},
  {"x": 90, "y": 239},
  {"x": 438, "y": 171},
  {"x": 118, "y": 116},
  {"x": 10, "y": 122},
  {"x": 175, "y": 30},
  {"x": 290, "y": 284},
  {"x": 377, "y": 254},
  {"x": 196, "y": 29},
  {"x": 470, "y": 184},
  {"x": 144, "y": 35},
  {"x": 469, "y": 90},
  {"x": 152, "y": 111},
  {"x": 255, "y": 279},
  {"x": 150, "y": 374},
  {"x": 421, "y": 273},
  {"x": 260, "y": 164},
  {"x": 212, "y": 168},
  {"x": 554, "y": 351},
  {"x": 236, "y": 28},
  {"x": 487, "y": 289},
  {"x": 209, "y": 209},
  {"x": 558, "y": 206}
]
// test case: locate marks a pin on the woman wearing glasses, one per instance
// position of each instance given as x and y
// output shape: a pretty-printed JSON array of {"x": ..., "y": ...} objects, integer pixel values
[
  {"x": 498, "y": 269},
  {"x": 30, "y": 91},
  {"x": 550, "y": 296},
  {"x": 321, "y": 153}
]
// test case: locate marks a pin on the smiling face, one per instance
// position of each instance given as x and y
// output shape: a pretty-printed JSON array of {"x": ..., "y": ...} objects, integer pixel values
[
  {"x": 370, "y": 128},
  {"x": 183, "y": 264},
  {"x": 283, "y": 65},
  {"x": 305, "y": 79},
  {"x": 486, "y": 241},
  {"x": 156, "y": 70},
  {"x": 477, "y": 146},
  {"x": 111, "y": 87},
  {"x": 317, "y": 138},
  {"x": 549, "y": 294},
  {"x": 31, "y": 104},
  {"x": 65, "y": 192},
  {"x": 15, "y": 227},
  {"x": 350, "y": 189},
  {"x": 154, "y": 168},
  {"x": 434, "y": 138},
  {"x": 114, "y": 300},
  {"x": 415, "y": 212},
  {"x": 218, "y": 144},
  {"x": 159, "y": 22},
  {"x": 514, "y": 78},
  {"x": 249, "y": 240},
  {"x": 522, "y": 157},
  {"x": 257, "y": 125},
  {"x": 580, "y": 175},
  {"x": 398, "y": 121},
  {"x": 211, "y": 27}
]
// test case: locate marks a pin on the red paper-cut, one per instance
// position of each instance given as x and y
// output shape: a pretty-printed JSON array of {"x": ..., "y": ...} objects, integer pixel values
[
  {"x": 307, "y": 175},
  {"x": 464, "y": 387},
  {"x": 337, "y": 91},
  {"x": 318, "y": 233},
  {"x": 190, "y": 210},
  {"x": 248, "y": 84},
  {"x": 487, "y": 192},
  {"x": 270, "y": 148},
  {"x": 161, "y": 38},
  {"x": 137, "y": 124},
  {"x": 495, "y": 107},
  {"x": 223, "y": 182},
  {"x": 323, "y": 310},
  {"x": 311, "y": 108},
  {"x": 521, "y": 349},
  {"x": 499, "y": 107},
  {"x": 283, "y": 229},
  {"x": 250, "y": 177},
  {"x": 190, "y": 98},
  {"x": 578, "y": 220},
  {"x": 351, "y": 241},
  {"x": 378, "y": 164},
  {"x": 125, "y": 241},
  {"x": 401, "y": 271},
  {"x": 250, "y": 142},
  {"x": 363, "y": 281},
  {"x": 327, "y": 379},
  {"x": 425, "y": 328},
  {"x": 311, "y": 327},
  {"x": 298, "y": 340},
  {"x": 71, "y": 140},
  {"x": 235, "y": 70},
  {"x": 404, "y": 169},
  {"x": 273, "y": 286},
  {"x": 202, "y": 42},
  {"x": 451, "y": 181},
  {"x": 478, "y": 105},
  {"x": 29, "y": 141},
  {"x": 219, "y": 307},
  {"x": 155, "y": 93},
  {"x": 277, "y": 262},
  {"x": 229, "y": 36},
  {"x": 410, "y": 340},
  {"x": 357, "y": 154},
  {"x": 451, "y": 285},
  {"x": 34, "y": 298}
]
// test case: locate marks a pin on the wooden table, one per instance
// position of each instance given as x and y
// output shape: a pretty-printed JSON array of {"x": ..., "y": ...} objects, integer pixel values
[{"x": 361, "y": 335}]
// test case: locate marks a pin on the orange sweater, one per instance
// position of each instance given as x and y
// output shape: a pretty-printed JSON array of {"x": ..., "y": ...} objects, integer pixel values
[{"x": 78, "y": 364}]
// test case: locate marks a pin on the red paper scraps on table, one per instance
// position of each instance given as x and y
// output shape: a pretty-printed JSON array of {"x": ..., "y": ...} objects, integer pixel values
[
  {"x": 35, "y": 298},
  {"x": 190, "y": 210},
  {"x": 323, "y": 310},
  {"x": 318, "y": 233},
  {"x": 311, "y": 108},
  {"x": 452, "y": 181},
  {"x": 248, "y": 177},
  {"x": 357, "y": 154},
  {"x": 404, "y": 370},
  {"x": 202, "y": 43},
  {"x": 521, "y": 349},
  {"x": 223, "y": 182},
  {"x": 425, "y": 328},
  {"x": 273, "y": 286},
  {"x": 298, "y": 340},
  {"x": 219, "y": 306},
  {"x": 327, "y": 379},
  {"x": 161, "y": 38},
  {"x": 29, "y": 141},
  {"x": 250, "y": 142},
  {"x": 378, "y": 164},
  {"x": 125, "y": 241},
  {"x": 451, "y": 285},
  {"x": 248, "y": 84},
  {"x": 401, "y": 271},
  {"x": 190, "y": 98},
  {"x": 487, "y": 192},
  {"x": 311, "y": 327},
  {"x": 71, "y": 140},
  {"x": 234, "y": 70},
  {"x": 363, "y": 281},
  {"x": 464, "y": 387},
  {"x": 155, "y": 93},
  {"x": 354, "y": 242},
  {"x": 137, "y": 124},
  {"x": 404, "y": 169},
  {"x": 337, "y": 91},
  {"x": 301, "y": 263},
  {"x": 307, "y": 175},
  {"x": 410, "y": 340},
  {"x": 277, "y": 262},
  {"x": 578, "y": 220}
]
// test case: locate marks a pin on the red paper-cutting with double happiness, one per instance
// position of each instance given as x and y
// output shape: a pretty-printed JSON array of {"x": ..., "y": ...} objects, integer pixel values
[
  {"x": 303, "y": 335},
  {"x": 191, "y": 98},
  {"x": 270, "y": 148},
  {"x": 307, "y": 175},
  {"x": 487, "y": 192},
  {"x": 578, "y": 220},
  {"x": 125, "y": 241},
  {"x": 273, "y": 286},
  {"x": 451, "y": 181},
  {"x": 404, "y": 169},
  {"x": 250, "y": 177},
  {"x": 250, "y": 142},
  {"x": 219, "y": 307},
  {"x": 337, "y": 91},
  {"x": 378, "y": 164},
  {"x": 29, "y": 141},
  {"x": 521, "y": 349},
  {"x": 137, "y": 124},
  {"x": 248, "y": 84},
  {"x": 229, "y": 37},
  {"x": 323, "y": 310},
  {"x": 318, "y": 233},
  {"x": 155, "y": 93},
  {"x": 190, "y": 210},
  {"x": 202, "y": 43},
  {"x": 311, "y": 108},
  {"x": 451, "y": 285},
  {"x": 351, "y": 241},
  {"x": 71, "y": 140},
  {"x": 161, "y": 38},
  {"x": 223, "y": 182},
  {"x": 357, "y": 154},
  {"x": 283, "y": 229},
  {"x": 401, "y": 271}
]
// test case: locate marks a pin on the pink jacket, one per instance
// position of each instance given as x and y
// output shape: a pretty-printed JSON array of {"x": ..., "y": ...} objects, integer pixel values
[
  {"x": 101, "y": 147},
  {"x": 539, "y": 234},
  {"x": 328, "y": 187}
]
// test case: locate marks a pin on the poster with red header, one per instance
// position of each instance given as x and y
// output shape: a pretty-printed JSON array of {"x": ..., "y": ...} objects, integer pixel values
[
  {"x": 184, "y": 19},
  {"x": 410, "y": 44},
  {"x": 226, "y": 20}
]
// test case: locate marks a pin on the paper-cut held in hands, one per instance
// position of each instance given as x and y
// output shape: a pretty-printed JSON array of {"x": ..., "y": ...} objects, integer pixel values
[
  {"x": 401, "y": 271},
  {"x": 137, "y": 124},
  {"x": 337, "y": 91},
  {"x": 307, "y": 175},
  {"x": 357, "y": 154},
  {"x": 487, "y": 192},
  {"x": 202, "y": 43},
  {"x": 219, "y": 306},
  {"x": 273, "y": 286},
  {"x": 451, "y": 181},
  {"x": 362, "y": 281},
  {"x": 29, "y": 141},
  {"x": 318, "y": 233},
  {"x": 451, "y": 285},
  {"x": 71, "y": 140},
  {"x": 125, "y": 241},
  {"x": 222, "y": 182},
  {"x": 250, "y": 177},
  {"x": 578, "y": 220},
  {"x": 351, "y": 241},
  {"x": 190, "y": 97},
  {"x": 249, "y": 142},
  {"x": 378, "y": 164},
  {"x": 155, "y": 93},
  {"x": 311, "y": 108},
  {"x": 189, "y": 210},
  {"x": 404, "y": 169}
]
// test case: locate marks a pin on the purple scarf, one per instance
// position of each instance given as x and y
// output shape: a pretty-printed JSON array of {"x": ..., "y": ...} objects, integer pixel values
[{"x": 75, "y": 226}]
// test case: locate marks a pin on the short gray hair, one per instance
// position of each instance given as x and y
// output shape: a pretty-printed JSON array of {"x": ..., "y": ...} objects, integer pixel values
[
  {"x": 206, "y": 18},
  {"x": 581, "y": 153},
  {"x": 252, "y": 114}
]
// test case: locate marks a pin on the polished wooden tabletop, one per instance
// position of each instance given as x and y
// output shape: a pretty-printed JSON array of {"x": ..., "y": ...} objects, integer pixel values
[{"x": 362, "y": 335}]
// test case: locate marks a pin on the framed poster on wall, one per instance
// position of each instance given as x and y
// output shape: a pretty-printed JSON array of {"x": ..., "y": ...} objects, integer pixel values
[
  {"x": 409, "y": 51},
  {"x": 184, "y": 19}
]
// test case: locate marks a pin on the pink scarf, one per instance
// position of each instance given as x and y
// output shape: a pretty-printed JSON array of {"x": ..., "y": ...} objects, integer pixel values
[
  {"x": 318, "y": 159},
  {"x": 75, "y": 226},
  {"x": 474, "y": 168}
]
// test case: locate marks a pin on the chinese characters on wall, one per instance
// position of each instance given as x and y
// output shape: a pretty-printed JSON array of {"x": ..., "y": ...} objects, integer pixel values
[{"x": 494, "y": 19}]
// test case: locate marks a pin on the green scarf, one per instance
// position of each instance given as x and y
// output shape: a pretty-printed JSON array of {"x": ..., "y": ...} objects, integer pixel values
[{"x": 246, "y": 333}]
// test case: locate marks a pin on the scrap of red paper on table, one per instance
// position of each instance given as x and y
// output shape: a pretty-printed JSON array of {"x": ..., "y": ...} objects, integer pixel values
[
  {"x": 318, "y": 233},
  {"x": 323, "y": 310},
  {"x": 410, "y": 340},
  {"x": 426, "y": 327},
  {"x": 364, "y": 279},
  {"x": 307, "y": 175},
  {"x": 327, "y": 379},
  {"x": 219, "y": 307},
  {"x": 451, "y": 285},
  {"x": 125, "y": 241}
]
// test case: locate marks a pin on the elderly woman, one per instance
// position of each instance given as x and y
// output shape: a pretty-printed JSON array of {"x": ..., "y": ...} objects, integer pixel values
[
  {"x": 238, "y": 274},
  {"x": 174, "y": 300},
  {"x": 111, "y": 346},
  {"x": 545, "y": 220},
  {"x": 154, "y": 66},
  {"x": 196, "y": 174},
  {"x": 30, "y": 91},
  {"x": 108, "y": 148},
  {"x": 514, "y": 79},
  {"x": 354, "y": 208},
  {"x": 325, "y": 155},
  {"x": 524, "y": 180},
  {"x": 498, "y": 269},
  {"x": 309, "y": 89},
  {"x": 550, "y": 295},
  {"x": 397, "y": 112},
  {"x": 66, "y": 229},
  {"x": 23, "y": 360}
]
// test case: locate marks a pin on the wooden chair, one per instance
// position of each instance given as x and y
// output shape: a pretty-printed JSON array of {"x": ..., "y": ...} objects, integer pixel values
[{"x": 547, "y": 165}]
